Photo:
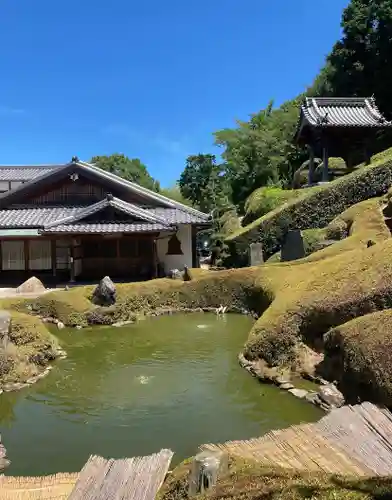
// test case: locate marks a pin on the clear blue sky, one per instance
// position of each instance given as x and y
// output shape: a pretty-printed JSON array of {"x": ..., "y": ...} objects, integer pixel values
[{"x": 150, "y": 79}]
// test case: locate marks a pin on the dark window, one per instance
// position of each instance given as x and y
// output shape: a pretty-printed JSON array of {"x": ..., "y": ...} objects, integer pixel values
[{"x": 174, "y": 246}]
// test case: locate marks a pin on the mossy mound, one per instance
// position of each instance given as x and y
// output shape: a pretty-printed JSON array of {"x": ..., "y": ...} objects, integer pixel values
[
  {"x": 248, "y": 480},
  {"x": 359, "y": 357},
  {"x": 30, "y": 348},
  {"x": 313, "y": 296},
  {"x": 318, "y": 207}
]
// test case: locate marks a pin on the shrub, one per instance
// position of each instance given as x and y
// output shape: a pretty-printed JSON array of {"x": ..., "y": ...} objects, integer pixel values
[
  {"x": 265, "y": 199},
  {"x": 318, "y": 207}
]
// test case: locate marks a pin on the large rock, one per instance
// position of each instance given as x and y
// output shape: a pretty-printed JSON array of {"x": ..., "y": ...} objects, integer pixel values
[
  {"x": 32, "y": 285},
  {"x": 105, "y": 292},
  {"x": 331, "y": 395},
  {"x": 5, "y": 320}
]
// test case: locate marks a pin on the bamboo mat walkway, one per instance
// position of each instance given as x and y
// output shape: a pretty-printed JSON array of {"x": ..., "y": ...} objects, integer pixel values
[
  {"x": 352, "y": 440},
  {"x": 58, "y": 486},
  {"x": 133, "y": 478}
]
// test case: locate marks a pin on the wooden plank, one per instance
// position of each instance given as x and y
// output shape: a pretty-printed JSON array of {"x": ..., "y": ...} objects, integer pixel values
[{"x": 136, "y": 478}]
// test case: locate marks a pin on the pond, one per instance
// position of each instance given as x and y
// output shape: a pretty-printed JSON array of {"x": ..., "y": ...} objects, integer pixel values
[{"x": 172, "y": 382}]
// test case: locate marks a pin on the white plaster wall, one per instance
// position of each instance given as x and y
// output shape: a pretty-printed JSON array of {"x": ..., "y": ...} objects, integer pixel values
[{"x": 184, "y": 234}]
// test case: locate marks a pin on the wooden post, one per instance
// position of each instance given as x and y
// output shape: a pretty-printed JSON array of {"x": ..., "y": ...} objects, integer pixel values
[
  {"x": 53, "y": 256},
  {"x": 311, "y": 166},
  {"x": 206, "y": 468},
  {"x": 72, "y": 277},
  {"x": 325, "y": 162},
  {"x": 26, "y": 255}
]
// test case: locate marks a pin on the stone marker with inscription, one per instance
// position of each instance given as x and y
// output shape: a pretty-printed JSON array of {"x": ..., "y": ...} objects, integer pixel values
[
  {"x": 293, "y": 246},
  {"x": 256, "y": 254}
]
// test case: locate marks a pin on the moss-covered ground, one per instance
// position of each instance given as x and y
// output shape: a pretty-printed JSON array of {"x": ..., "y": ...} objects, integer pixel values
[
  {"x": 29, "y": 349},
  {"x": 247, "y": 480}
]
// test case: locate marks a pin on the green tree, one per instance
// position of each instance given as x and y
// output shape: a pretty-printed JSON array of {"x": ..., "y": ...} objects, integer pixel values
[
  {"x": 260, "y": 152},
  {"x": 203, "y": 182},
  {"x": 175, "y": 194},
  {"x": 360, "y": 64},
  {"x": 131, "y": 169}
]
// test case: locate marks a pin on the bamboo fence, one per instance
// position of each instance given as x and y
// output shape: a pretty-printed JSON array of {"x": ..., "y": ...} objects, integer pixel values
[{"x": 352, "y": 440}]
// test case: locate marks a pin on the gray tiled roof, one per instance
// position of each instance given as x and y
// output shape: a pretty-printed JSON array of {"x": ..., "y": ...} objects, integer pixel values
[
  {"x": 158, "y": 218},
  {"x": 176, "y": 216},
  {"x": 127, "y": 208},
  {"x": 33, "y": 217},
  {"x": 107, "y": 227},
  {"x": 24, "y": 173},
  {"x": 343, "y": 112}
]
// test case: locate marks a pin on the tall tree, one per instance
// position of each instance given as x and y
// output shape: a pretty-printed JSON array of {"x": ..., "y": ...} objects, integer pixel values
[
  {"x": 131, "y": 169},
  {"x": 361, "y": 62},
  {"x": 203, "y": 182},
  {"x": 260, "y": 152}
]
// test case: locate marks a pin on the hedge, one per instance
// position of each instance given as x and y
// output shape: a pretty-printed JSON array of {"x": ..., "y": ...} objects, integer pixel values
[{"x": 317, "y": 208}]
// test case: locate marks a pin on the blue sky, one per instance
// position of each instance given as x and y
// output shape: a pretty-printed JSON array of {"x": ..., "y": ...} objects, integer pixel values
[{"x": 150, "y": 79}]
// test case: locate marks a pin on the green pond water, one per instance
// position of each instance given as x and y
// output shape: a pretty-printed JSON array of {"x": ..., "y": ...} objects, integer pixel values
[{"x": 170, "y": 382}]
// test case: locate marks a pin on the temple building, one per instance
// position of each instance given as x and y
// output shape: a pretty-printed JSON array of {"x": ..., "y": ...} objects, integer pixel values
[
  {"x": 339, "y": 127},
  {"x": 78, "y": 222}
]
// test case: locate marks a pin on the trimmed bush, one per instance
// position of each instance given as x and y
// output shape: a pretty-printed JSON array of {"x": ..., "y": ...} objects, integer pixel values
[
  {"x": 318, "y": 207},
  {"x": 265, "y": 199},
  {"x": 359, "y": 356}
]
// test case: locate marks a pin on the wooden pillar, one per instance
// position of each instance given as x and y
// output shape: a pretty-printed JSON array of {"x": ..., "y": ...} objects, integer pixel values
[
  {"x": 54, "y": 256},
  {"x": 26, "y": 255},
  {"x": 195, "y": 260},
  {"x": 72, "y": 277},
  {"x": 325, "y": 163},
  {"x": 311, "y": 166}
]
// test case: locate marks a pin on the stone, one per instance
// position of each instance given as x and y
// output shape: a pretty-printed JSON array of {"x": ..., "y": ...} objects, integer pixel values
[
  {"x": 313, "y": 397},
  {"x": 32, "y": 285},
  {"x": 60, "y": 325},
  {"x": 5, "y": 321},
  {"x": 293, "y": 246},
  {"x": 205, "y": 470},
  {"x": 256, "y": 257},
  {"x": 78, "y": 327},
  {"x": 331, "y": 395},
  {"x": 286, "y": 386},
  {"x": 105, "y": 292},
  {"x": 175, "y": 274},
  {"x": 298, "y": 393},
  {"x": 123, "y": 323}
]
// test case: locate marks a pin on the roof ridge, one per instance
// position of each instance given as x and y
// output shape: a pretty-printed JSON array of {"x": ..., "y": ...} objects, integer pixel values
[
  {"x": 125, "y": 207},
  {"x": 143, "y": 190}
]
